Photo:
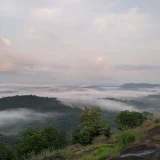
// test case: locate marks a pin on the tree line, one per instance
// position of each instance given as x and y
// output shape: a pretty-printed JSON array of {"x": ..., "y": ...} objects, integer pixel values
[{"x": 91, "y": 125}]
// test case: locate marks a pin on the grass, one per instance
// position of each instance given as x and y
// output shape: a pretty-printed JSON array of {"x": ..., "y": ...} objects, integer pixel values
[
  {"x": 100, "y": 154},
  {"x": 48, "y": 155},
  {"x": 156, "y": 122},
  {"x": 122, "y": 140},
  {"x": 125, "y": 138},
  {"x": 157, "y": 137}
]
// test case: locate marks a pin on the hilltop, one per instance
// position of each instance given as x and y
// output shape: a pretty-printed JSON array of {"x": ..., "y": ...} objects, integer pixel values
[{"x": 138, "y": 85}]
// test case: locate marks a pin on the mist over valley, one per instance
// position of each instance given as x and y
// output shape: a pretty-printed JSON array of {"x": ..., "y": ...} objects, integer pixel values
[{"x": 23, "y": 106}]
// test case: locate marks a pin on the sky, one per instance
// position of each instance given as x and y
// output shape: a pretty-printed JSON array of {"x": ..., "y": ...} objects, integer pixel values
[{"x": 79, "y": 41}]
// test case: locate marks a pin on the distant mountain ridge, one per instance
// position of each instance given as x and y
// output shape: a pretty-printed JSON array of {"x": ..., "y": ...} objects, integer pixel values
[{"x": 138, "y": 85}]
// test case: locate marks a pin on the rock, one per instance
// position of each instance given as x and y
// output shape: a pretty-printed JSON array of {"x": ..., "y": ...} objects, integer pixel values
[
  {"x": 139, "y": 152},
  {"x": 149, "y": 149},
  {"x": 138, "y": 148},
  {"x": 141, "y": 155},
  {"x": 154, "y": 131}
]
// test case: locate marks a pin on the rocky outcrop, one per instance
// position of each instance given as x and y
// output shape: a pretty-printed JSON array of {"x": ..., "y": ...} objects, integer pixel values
[
  {"x": 145, "y": 155},
  {"x": 149, "y": 149}
]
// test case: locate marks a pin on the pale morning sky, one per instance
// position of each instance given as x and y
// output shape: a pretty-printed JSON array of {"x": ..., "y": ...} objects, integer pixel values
[{"x": 79, "y": 41}]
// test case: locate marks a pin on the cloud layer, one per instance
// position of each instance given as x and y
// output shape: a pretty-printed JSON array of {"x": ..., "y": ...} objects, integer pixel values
[{"x": 98, "y": 41}]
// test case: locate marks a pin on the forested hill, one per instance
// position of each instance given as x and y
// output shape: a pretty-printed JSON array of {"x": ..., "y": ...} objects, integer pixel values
[
  {"x": 35, "y": 103},
  {"x": 20, "y": 112},
  {"x": 33, "y": 111}
]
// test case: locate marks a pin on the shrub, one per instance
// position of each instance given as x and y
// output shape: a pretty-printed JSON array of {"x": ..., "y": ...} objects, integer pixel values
[
  {"x": 91, "y": 125},
  {"x": 156, "y": 121},
  {"x": 34, "y": 143},
  {"x": 82, "y": 137},
  {"x": 6, "y": 152},
  {"x": 131, "y": 119}
]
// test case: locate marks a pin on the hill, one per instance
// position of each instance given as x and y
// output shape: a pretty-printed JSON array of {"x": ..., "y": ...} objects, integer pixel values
[
  {"x": 20, "y": 112},
  {"x": 33, "y": 111},
  {"x": 138, "y": 85}
]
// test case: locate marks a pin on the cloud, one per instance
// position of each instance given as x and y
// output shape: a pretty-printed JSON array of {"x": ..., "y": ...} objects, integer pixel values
[
  {"x": 6, "y": 41},
  {"x": 73, "y": 33},
  {"x": 6, "y": 65},
  {"x": 45, "y": 13},
  {"x": 11, "y": 60},
  {"x": 99, "y": 60},
  {"x": 100, "y": 23},
  {"x": 122, "y": 25},
  {"x": 130, "y": 67},
  {"x": 12, "y": 117}
]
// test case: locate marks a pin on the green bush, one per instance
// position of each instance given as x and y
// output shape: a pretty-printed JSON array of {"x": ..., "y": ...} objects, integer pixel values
[
  {"x": 28, "y": 132},
  {"x": 91, "y": 125},
  {"x": 6, "y": 152},
  {"x": 125, "y": 138},
  {"x": 82, "y": 137},
  {"x": 131, "y": 119},
  {"x": 35, "y": 142},
  {"x": 55, "y": 139},
  {"x": 156, "y": 121}
]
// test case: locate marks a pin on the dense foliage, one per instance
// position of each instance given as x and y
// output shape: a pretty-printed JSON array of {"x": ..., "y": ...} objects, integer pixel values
[
  {"x": 34, "y": 141},
  {"x": 92, "y": 124},
  {"x": 66, "y": 117},
  {"x": 6, "y": 152},
  {"x": 131, "y": 119}
]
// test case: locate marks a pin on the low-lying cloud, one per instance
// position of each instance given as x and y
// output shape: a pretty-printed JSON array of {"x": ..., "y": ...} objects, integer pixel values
[
  {"x": 83, "y": 96},
  {"x": 23, "y": 115}
]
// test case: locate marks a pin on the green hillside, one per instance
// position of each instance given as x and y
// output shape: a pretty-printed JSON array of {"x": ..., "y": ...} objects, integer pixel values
[{"x": 137, "y": 138}]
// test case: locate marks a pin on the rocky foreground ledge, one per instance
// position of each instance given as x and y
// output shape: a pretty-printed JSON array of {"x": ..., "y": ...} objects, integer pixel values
[{"x": 149, "y": 149}]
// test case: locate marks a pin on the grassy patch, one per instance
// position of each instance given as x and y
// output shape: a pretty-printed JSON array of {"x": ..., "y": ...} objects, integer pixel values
[
  {"x": 125, "y": 138},
  {"x": 100, "y": 153},
  {"x": 156, "y": 122},
  {"x": 46, "y": 155},
  {"x": 157, "y": 137}
]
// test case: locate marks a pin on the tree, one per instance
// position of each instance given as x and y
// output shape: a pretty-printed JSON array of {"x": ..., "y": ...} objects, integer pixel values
[
  {"x": 92, "y": 124},
  {"x": 1, "y": 135},
  {"x": 131, "y": 119},
  {"x": 28, "y": 132},
  {"x": 33, "y": 141},
  {"x": 6, "y": 152},
  {"x": 55, "y": 139}
]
